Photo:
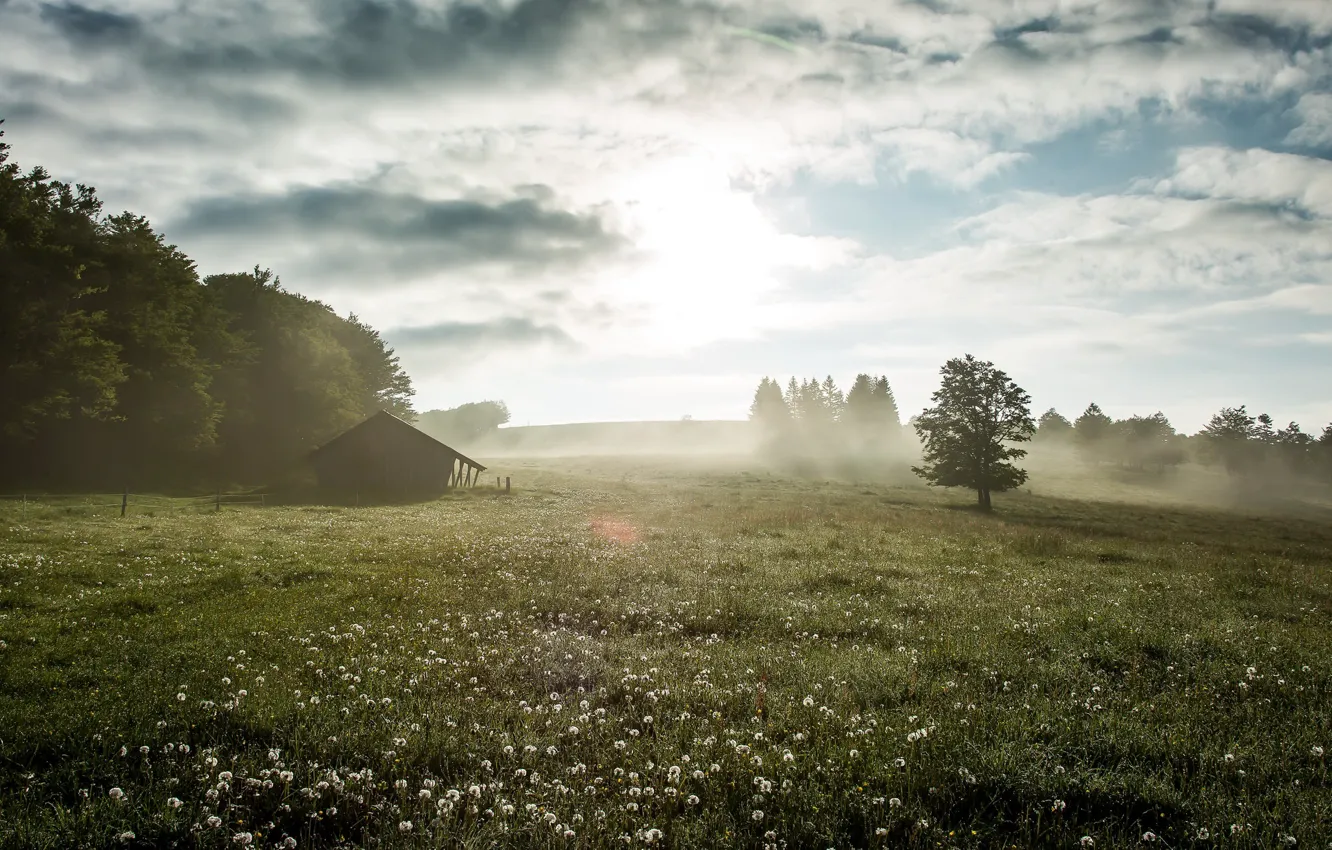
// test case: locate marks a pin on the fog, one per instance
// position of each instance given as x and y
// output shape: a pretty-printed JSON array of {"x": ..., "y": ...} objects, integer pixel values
[
  {"x": 1056, "y": 468},
  {"x": 680, "y": 437}
]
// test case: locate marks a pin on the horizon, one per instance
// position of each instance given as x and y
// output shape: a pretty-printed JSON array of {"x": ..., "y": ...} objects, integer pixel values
[{"x": 622, "y": 212}]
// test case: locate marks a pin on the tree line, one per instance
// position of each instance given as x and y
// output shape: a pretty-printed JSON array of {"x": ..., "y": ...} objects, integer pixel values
[
  {"x": 812, "y": 417},
  {"x": 1243, "y": 444},
  {"x": 465, "y": 423},
  {"x": 120, "y": 366},
  {"x": 971, "y": 434}
]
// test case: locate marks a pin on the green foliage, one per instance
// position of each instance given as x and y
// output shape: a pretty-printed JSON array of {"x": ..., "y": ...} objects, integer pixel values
[
  {"x": 1231, "y": 437},
  {"x": 1053, "y": 426},
  {"x": 465, "y": 423},
  {"x": 978, "y": 411},
  {"x": 769, "y": 413},
  {"x": 118, "y": 365},
  {"x": 1067, "y": 669},
  {"x": 54, "y": 361},
  {"x": 1149, "y": 441},
  {"x": 871, "y": 416},
  {"x": 816, "y": 419},
  {"x": 1091, "y": 430}
]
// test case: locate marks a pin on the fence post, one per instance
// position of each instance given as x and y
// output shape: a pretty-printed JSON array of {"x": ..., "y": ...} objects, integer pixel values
[
  {"x": 506, "y": 485},
  {"x": 124, "y": 500},
  {"x": 218, "y": 504},
  {"x": 497, "y": 482}
]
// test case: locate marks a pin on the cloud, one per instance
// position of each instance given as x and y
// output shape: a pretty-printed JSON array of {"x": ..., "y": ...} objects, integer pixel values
[
  {"x": 404, "y": 232},
  {"x": 377, "y": 44},
  {"x": 369, "y": 150},
  {"x": 92, "y": 27},
  {"x": 474, "y": 337},
  {"x": 946, "y": 155},
  {"x": 1310, "y": 299},
  {"x": 1256, "y": 175},
  {"x": 1314, "y": 111}
]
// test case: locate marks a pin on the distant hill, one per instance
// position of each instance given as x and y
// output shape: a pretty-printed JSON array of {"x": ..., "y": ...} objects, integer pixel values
[{"x": 718, "y": 436}]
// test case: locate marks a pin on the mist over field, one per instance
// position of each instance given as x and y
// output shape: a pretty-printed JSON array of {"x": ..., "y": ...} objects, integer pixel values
[
  {"x": 665, "y": 424},
  {"x": 1058, "y": 468}
]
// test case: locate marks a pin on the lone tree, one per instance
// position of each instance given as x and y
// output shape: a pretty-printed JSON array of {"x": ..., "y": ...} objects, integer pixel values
[{"x": 977, "y": 411}]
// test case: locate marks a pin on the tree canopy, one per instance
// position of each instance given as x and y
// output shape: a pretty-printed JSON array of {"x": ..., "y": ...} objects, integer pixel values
[
  {"x": 466, "y": 422},
  {"x": 978, "y": 412},
  {"x": 814, "y": 417},
  {"x": 120, "y": 367}
]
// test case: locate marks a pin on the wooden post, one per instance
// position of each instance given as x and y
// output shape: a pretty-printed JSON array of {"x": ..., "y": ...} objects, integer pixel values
[
  {"x": 218, "y": 503},
  {"x": 497, "y": 482},
  {"x": 124, "y": 501},
  {"x": 506, "y": 485}
]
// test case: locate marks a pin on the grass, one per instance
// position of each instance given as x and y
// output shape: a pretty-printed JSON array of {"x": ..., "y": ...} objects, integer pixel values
[{"x": 631, "y": 653}]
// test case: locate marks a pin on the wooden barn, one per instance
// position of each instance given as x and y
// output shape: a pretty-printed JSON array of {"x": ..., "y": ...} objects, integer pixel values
[{"x": 387, "y": 457}]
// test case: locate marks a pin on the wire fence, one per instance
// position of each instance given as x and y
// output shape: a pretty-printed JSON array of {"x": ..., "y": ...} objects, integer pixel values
[{"x": 126, "y": 502}]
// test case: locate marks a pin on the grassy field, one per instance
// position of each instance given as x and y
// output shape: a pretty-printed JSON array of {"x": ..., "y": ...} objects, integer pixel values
[{"x": 644, "y": 653}]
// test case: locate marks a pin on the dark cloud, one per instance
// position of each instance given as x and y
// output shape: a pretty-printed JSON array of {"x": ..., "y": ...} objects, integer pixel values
[
  {"x": 1049, "y": 24},
  {"x": 85, "y": 26},
  {"x": 1255, "y": 32},
  {"x": 1160, "y": 35},
  {"x": 512, "y": 332},
  {"x": 885, "y": 42},
  {"x": 414, "y": 233},
  {"x": 378, "y": 43},
  {"x": 799, "y": 30}
]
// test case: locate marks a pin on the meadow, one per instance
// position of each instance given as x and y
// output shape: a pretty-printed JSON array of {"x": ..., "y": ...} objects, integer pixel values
[{"x": 667, "y": 654}]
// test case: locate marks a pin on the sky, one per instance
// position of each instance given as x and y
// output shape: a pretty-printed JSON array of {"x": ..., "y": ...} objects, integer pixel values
[{"x": 604, "y": 210}]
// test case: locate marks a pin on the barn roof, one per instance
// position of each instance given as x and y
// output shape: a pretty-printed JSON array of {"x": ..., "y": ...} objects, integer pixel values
[{"x": 384, "y": 419}]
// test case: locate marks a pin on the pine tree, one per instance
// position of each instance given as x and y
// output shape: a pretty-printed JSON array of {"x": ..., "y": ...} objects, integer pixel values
[
  {"x": 1053, "y": 426},
  {"x": 769, "y": 413},
  {"x": 858, "y": 418},
  {"x": 1091, "y": 431},
  {"x": 833, "y": 402},
  {"x": 888, "y": 417},
  {"x": 795, "y": 399}
]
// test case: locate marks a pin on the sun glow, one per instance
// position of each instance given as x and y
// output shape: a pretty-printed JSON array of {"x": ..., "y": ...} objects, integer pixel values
[{"x": 711, "y": 261}]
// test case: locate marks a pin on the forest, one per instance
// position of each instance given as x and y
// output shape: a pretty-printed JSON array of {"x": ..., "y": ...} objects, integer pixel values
[
  {"x": 121, "y": 367},
  {"x": 816, "y": 419}
]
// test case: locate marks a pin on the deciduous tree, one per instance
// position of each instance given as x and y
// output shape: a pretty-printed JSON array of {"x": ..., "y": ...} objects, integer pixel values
[{"x": 978, "y": 413}]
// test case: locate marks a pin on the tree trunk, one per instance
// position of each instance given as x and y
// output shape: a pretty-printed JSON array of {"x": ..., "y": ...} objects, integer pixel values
[{"x": 983, "y": 498}]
